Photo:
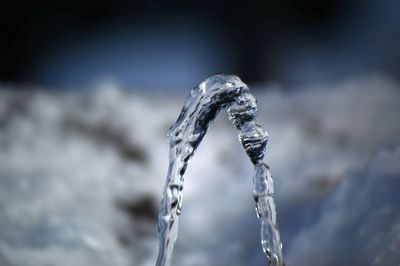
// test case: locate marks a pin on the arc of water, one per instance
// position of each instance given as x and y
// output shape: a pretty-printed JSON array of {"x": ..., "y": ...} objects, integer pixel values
[{"x": 200, "y": 108}]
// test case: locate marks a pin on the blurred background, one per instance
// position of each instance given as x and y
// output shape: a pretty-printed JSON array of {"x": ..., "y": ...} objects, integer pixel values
[
  {"x": 88, "y": 90},
  {"x": 68, "y": 44}
]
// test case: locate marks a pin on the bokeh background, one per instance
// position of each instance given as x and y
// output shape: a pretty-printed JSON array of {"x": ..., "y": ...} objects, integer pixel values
[{"x": 88, "y": 90}]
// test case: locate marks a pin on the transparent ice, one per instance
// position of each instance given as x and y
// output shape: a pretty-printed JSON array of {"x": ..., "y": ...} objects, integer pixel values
[{"x": 200, "y": 108}]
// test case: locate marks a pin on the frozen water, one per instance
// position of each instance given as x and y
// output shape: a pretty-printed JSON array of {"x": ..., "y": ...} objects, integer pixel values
[{"x": 200, "y": 109}]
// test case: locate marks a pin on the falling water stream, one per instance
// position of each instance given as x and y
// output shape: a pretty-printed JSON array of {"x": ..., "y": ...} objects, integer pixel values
[{"x": 199, "y": 110}]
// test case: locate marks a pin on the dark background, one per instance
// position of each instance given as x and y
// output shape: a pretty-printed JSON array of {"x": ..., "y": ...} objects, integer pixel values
[{"x": 174, "y": 44}]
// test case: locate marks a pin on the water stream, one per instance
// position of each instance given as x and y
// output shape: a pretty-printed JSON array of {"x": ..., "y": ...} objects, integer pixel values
[{"x": 199, "y": 110}]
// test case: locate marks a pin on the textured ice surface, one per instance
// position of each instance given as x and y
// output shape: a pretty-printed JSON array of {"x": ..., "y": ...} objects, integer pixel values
[{"x": 81, "y": 177}]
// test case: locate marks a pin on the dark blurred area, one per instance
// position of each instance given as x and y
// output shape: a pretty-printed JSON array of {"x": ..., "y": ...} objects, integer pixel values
[{"x": 175, "y": 43}]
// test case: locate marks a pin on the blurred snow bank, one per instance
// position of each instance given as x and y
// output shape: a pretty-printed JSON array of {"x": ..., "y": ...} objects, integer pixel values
[
  {"x": 360, "y": 222},
  {"x": 81, "y": 177}
]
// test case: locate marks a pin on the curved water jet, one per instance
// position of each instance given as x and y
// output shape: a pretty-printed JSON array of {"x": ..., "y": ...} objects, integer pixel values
[{"x": 199, "y": 110}]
